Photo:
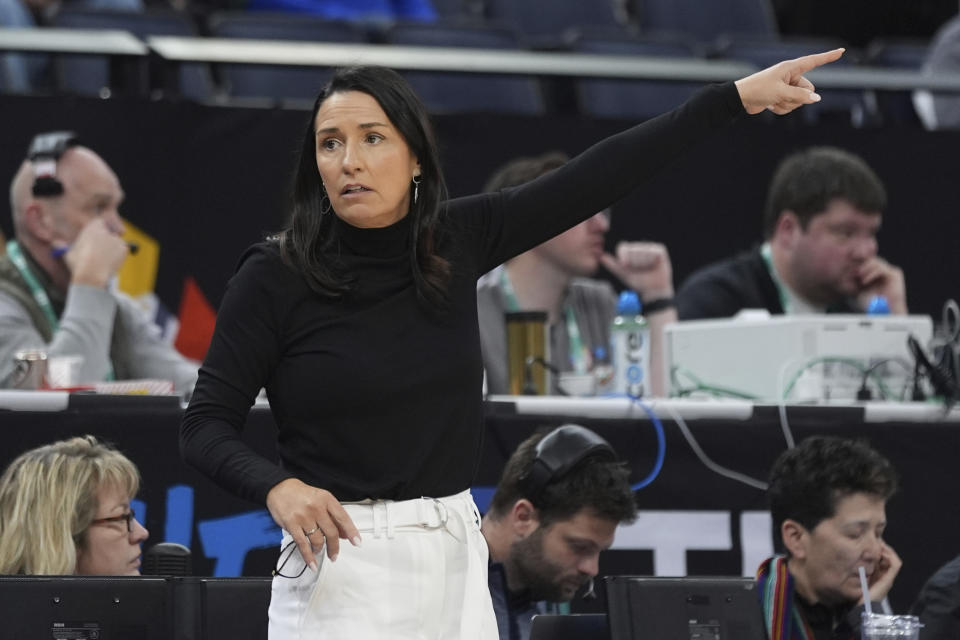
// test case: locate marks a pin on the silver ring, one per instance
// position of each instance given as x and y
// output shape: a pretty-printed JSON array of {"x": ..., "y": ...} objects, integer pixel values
[{"x": 312, "y": 531}]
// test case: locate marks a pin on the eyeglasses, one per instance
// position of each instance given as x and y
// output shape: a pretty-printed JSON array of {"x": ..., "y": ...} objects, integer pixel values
[
  {"x": 128, "y": 517},
  {"x": 286, "y": 553}
]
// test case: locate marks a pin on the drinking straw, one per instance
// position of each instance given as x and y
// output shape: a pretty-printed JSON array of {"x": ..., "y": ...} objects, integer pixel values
[
  {"x": 885, "y": 605},
  {"x": 866, "y": 591}
]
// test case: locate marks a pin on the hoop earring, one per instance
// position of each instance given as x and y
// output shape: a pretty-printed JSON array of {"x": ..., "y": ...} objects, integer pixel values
[
  {"x": 325, "y": 205},
  {"x": 416, "y": 188}
]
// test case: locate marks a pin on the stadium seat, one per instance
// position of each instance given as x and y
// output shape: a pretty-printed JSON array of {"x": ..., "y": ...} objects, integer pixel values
[
  {"x": 444, "y": 92},
  {"x": 549, "y": 18},
  {"x": 896, "y": 107},
  {"x": 634, "y": 99},
  {"x": 280, "y": 83},
  {"x": 706, "y": 21},
  {"x": 91, "y": 75}
]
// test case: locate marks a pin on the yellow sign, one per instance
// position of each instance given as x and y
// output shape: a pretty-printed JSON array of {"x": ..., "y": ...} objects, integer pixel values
[{"x": 138, "y": 275}]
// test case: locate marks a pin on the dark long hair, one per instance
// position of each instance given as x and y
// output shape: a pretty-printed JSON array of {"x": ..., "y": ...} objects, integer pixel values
[{"x": 306, "y": 241}]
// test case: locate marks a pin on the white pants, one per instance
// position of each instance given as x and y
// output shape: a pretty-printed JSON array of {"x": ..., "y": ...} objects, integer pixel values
[{"x": 421, "y": 573}]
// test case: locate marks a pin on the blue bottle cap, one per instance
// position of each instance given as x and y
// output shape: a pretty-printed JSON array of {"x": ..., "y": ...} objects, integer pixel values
[
  {"x": 878, "y": 306},
  {"x": 600, "y": 353},
  {"x": 628, "y": 304}
]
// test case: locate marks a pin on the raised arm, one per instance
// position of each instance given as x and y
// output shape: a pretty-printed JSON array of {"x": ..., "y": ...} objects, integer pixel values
[{"x": 520, "y": 218}]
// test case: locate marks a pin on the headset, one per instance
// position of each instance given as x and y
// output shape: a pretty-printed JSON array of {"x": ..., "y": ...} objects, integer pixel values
[
  {"x": 558, "y": 453},
  {"x": 44, "y": 152}
]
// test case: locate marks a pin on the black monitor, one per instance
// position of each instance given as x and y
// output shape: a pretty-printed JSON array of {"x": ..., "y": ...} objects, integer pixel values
[
  {"x": 693, "y": 608},
  {"x": 578, "y": 626},
  {"x": 84, "y": 608},
  {"x": 221, "y": 608}
]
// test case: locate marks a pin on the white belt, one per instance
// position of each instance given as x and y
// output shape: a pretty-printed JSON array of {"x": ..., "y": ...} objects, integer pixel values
[{"x": 384, "y": 517}]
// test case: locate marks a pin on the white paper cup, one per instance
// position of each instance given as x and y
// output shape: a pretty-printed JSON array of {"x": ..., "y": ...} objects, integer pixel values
[
  {"x": 574, "y": 384},
  {"x": 63, "y": 371}
]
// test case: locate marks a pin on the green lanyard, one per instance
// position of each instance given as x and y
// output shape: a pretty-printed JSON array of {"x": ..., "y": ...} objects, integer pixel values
[
  {"x": 577, "y": 360},
  {"x": 20, "y": 262},
  {"x": 767, "y": 254},
  {"x": 16, "y": 257}
]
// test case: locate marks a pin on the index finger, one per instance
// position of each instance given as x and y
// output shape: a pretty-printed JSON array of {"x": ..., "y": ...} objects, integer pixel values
[
  {"x": 806, "y": 63},
  {"x": 872, "y": 271},
  {"x": 891, "y": 554}
]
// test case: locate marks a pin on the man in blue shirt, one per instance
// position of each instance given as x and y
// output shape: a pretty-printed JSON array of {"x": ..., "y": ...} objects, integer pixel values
[{"x": 557, "y": 506}]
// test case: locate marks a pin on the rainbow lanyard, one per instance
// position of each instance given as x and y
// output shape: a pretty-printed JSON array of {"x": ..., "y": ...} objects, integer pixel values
[
  {"x": 578, "y": 361},
  {"x": 20, "y": 262}
]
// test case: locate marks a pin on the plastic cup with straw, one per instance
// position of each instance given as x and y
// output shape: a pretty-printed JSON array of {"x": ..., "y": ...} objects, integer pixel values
[{"x": 885, "y": 627}]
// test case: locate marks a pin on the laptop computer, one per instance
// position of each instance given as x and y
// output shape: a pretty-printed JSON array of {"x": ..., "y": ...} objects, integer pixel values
[
  {"x": 692, "y": 608},
  {"x": 579, "y": 626}
]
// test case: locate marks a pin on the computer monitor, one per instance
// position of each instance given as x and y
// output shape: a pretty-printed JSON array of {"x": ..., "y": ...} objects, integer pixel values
[
  {"x": 84, "y": 608},
  {"x": 221, "y": 608},
  {"x": 578, "y": 626},
  {"x": 693, "y": 608}
]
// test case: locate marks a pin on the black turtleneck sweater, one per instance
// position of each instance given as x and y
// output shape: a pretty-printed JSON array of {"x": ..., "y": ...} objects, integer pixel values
[{"x": 374, "y": 396}]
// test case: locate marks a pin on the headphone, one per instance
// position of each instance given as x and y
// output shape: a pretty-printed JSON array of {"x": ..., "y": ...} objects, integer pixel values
[
  {"x": 44, "y": 152},
  {"x": 558, "y": 453}
]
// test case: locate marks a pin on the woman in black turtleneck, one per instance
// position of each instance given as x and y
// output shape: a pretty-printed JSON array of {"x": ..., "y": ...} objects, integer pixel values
[{"x": 360, "y": 320}]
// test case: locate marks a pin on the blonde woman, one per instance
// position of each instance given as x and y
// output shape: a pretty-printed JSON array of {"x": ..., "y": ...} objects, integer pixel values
[{"x": 65, "y": 509}]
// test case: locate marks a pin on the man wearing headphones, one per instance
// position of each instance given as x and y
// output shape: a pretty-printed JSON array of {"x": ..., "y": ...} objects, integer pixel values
[
  {"x": 555, "y": 509},
  {"x": 55, "y": 293}
]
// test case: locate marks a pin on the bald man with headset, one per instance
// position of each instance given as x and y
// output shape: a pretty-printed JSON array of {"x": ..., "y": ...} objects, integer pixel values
[
  {"x": 557, "y": 506},
  {"x": 55, "y": 280}
]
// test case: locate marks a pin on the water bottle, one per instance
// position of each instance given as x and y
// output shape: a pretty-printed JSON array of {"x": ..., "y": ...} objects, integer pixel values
[
  {"x": 602, "y": 372},
  {"x": 878, "y": 306},
  {"x": 630, "y": 339}
]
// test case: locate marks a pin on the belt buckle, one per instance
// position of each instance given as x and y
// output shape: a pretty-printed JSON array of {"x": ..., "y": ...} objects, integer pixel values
[{"x": 442, "y": 514}]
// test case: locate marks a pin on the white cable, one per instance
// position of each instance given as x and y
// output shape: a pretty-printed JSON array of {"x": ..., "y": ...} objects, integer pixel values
[
  {"x": 710, "y": 464},
  {"x": 782, "y": 405}
]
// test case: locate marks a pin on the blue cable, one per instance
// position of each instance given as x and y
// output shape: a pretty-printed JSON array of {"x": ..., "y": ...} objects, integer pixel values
[{"x": 661, "y": 445}]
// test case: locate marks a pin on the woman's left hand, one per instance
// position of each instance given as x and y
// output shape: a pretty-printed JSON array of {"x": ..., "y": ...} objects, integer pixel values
[{"x": 782, "y": 87}]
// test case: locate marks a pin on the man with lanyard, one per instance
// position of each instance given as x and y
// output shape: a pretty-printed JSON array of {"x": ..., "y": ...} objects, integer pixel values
[
  {"x": 820, "y": 254},
  {"x": 556, "y": 507},
  {"x": 55, "y": 281},
  {"x": 554, "y": 277}
]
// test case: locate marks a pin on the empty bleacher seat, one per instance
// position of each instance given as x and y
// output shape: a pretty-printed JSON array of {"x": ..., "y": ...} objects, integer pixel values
[
  {"x": 896, "y": 107},
  {"x": 91, "y": 75},
  {"x": 550, "y": 19},
  {"x": 449, "y": 10},
  {"x": 448, "y": 92},
  {"x": 708, "y": 20},
  {"x": 635, "y": 99},
  {"x": 280, "y": 82}
]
